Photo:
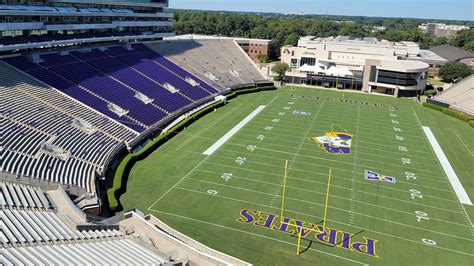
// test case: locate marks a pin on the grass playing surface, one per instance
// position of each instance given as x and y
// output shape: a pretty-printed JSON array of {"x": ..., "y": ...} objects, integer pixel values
[{"x": 417, "y": 220}]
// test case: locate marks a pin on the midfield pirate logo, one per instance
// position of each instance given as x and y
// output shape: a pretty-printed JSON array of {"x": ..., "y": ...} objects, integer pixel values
[{"x": 335, "y": 142}]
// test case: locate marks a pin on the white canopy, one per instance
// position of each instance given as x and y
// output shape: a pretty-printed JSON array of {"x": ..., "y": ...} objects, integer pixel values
[
  {"x": 344, "y": 71},
  {"x": 338, "y": 71},
  {"x": 308, "y": 68},
  {"x": 333, "y": 71}
]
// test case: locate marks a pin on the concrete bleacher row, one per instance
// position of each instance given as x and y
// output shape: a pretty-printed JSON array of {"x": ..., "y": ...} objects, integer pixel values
[
  {"x": 22, "y": 197},
  {"x": 111, "y": 252},
  {"x": 44, "y": 236},
  {"x": 221, "y": 61},
  {"x": 27, "y": 226},
  {"x": 460, "y": 96}
]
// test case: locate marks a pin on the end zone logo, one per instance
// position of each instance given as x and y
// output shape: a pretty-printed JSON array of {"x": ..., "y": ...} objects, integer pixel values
[{"x": 309, "y": 231}]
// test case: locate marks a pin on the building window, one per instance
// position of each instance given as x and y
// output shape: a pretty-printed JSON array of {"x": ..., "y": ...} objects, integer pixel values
[{"x": 308, "y": 60}]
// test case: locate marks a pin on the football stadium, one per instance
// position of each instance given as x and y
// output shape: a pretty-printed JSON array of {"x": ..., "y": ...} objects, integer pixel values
[{"x": 125, "y": 144}]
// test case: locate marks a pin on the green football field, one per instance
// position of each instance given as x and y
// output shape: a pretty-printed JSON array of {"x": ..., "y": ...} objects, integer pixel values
[{"x": 231, "y": 200}]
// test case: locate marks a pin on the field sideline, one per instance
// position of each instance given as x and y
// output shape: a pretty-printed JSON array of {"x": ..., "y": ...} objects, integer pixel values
[{"x": 416, "y": 220}]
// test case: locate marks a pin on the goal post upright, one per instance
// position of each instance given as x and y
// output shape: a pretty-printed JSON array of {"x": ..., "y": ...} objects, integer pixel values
[
  {"x": 284, "y": 191},
  {"x": 300, "y": 228},
  {"x": 327, "y": 199}
]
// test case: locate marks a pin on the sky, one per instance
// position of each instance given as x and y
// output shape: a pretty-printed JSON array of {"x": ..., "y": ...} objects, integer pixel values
[{"x": 432, "y": 9}]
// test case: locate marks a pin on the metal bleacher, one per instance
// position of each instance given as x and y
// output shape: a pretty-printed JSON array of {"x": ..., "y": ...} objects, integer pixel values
[{"x": 460, "y": 96}]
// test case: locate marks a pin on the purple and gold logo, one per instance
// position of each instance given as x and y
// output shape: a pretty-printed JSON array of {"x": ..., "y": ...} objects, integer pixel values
[{"x": 309, "y": 231}]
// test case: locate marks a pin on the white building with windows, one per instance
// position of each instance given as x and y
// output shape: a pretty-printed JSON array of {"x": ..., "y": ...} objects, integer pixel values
[{"x": 346, "y": 53}]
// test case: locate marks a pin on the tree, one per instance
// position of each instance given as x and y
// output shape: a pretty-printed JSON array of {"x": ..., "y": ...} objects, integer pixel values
[
  {"x": 453, "y": 71},
  {"x": 262, "y": 58},
  {"x": 280, "y": 68},
  {"x": 292, "y": 39},
  {"x": 469, "y": 46},
  {"x": 462, "y": 38}
]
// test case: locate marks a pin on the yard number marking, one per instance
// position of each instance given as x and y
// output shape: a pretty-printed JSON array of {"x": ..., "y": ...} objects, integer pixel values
[
  {"x": 421, "y": 216},
  {"x": 399, "y": 138},
  {"x": 260, "y": 137},
  {"x": 269, "y": 128},
  {"x": 251, "y": 148},
  {"x": 227, "y": 176},
  {"x": 276, "y": 120},
  {"x": 240, "y": 160},
  {"x": 406, "y": 161},
  {"x": 410, "y": 175},
  {"x": 402, "y": 148},
  {"x": 415, "y": 194},
  {"x": 397, "y": 129},
  {"x": 212, "y": 192},
  {"x": 428, "y": 241},
  {"x": 282, "y": 113}
]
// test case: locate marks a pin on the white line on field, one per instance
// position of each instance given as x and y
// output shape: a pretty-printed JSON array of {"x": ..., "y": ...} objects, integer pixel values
[
  {"x": 330, "y": 220},
  {"x": 448, "y": 169},
  {"x": 177, "y": 183},
  {"x": 204, "y": 130},
  {"x": 351, "y": 212},
  {"x": 339, "y": 177},
  {"x": 233, "y": 131},
  {"x": 254, "y": 234},
  {"x": 336, "y": 186},
  {"x": 314, "y": 164},
  {"x": 467, "y": 148}
]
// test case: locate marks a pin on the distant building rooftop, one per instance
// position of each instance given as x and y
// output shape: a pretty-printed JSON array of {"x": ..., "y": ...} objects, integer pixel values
[
  {"x": 451, "y": 53},
  {"x": 428, "y": 56},
  {"x": 211, "y": 37}
]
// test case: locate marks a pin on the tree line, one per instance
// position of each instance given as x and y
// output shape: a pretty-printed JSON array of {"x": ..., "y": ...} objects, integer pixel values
[{"x": 286, "y": 29}]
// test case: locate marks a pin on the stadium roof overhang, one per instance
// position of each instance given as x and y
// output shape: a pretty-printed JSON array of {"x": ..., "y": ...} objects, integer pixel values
[{"x": 37, "y": 45}]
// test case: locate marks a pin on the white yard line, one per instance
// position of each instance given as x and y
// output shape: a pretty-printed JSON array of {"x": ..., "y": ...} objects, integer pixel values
[
  {"x": 177, "y": 183},
  {"x": 254, "y": 234},
  {"x": 277, "y": 193},
  {"x": 410, "y": 214},
  {"x": 448, "y": 169},
  {"x": 233, "y": 131},
  {"x": 322, "y": 165},
  {"x": 467, "y": 148},
  {"x": 325, "y": 175},
  {"x": 204, "y": 130},
  {"x": 338, "y": 222},
  {"x": 335, "y": 186}
]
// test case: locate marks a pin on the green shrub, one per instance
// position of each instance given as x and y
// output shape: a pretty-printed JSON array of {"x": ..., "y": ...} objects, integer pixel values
[
  {"x": 117, "y": 183},
  {"x": 471, "y": 123},
  {"x": 433, "y": 106},
  {"x": 449, "y": 112},
  {"x": 277, "y": 78},
  {"x": 429, "y": 92},
  {"x": 456, "y": 115}
]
